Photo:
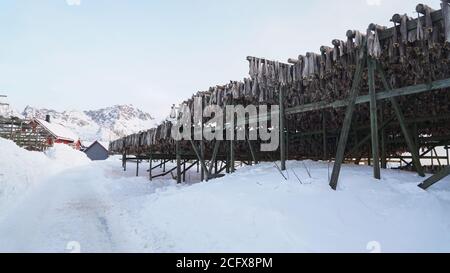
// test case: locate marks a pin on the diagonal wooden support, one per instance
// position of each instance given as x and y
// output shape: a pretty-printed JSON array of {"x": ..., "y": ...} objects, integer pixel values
[
  {"x": 368, "y": 137},
  {"x": 435, "y": 178},
  {"x": 202, "y": 161},
  {"x": 427, "y": 151},
  {"x": 374, "y": 119},
  {"x": 214, "y": 156},
  {"x": 347, "y": 123},
  {"x": 252, "y": 152},
  {"x": 401, "y": 119}
]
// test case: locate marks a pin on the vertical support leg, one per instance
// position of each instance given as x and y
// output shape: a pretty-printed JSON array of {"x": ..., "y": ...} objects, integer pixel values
[
  {"x": 282, "y": 130},
  {"x": 232, "y": 157},
  {"x": 374, "y": 120},
  {"x": 178, "y": 155},
  {"x": 347, "y": 124},
  {"x": 448, "y": 155},
  {"x": 151, "y": 167},
  {"x": 409, "y": 140},
  {"x": 252, "y": 152},
  {"x": 202, "y": 167},
  {"x": 324, "y": 136},
  {"x": 432, "y": 159},
  {"x": 137, "y": 167},
  {"x": 184, "y": 171},
  {"x": 383, "y": 140},
  {"x": 227, "y": 153},
  {"x": 124, "y": 162}
]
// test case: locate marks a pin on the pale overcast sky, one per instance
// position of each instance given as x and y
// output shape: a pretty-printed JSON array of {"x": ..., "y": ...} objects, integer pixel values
[{"x": 87, "y": 54}]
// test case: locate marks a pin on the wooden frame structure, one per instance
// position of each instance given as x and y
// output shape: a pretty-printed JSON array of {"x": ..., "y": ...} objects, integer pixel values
[{"x": 369, "y": 72}]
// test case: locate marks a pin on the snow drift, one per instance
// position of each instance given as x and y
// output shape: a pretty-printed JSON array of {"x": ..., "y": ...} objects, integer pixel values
[
  {"x": 253, "y": 210},
  {"x": 21, "y": 170},
  {"x": 256, "y": 210}
]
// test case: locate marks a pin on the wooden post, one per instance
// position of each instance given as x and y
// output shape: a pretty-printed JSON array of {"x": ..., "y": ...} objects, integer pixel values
[
  {"x": 202, "y": 154},
  {"x": 227, "y": 155},
  {"x": 178, "y": 156},
  {"x": 324, "y": 135},
  {"x": 184, "y": 171},
  {"x": 124, "y": 162},
  {"x": 232, "y": 157},
  {"x": 374, "y": 120},
  {"x": 282, "y": 129},
  {"x": 383, "y": 140},
  {"x": 448, "y": 155},
  {"x": 347, "y": 123},
  {"x": 150, "y": 166},
  {"x": 432, "y": 159},
  {"x": 409, "y": 141},
  {"x": 137, "y": 166}
]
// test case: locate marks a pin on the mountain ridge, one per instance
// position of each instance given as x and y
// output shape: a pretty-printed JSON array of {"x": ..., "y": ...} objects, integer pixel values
[{"x": 104, "y": 124}]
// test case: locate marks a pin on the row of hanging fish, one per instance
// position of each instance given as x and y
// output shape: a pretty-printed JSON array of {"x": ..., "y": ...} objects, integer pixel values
[{"x": 418, "y": 45}]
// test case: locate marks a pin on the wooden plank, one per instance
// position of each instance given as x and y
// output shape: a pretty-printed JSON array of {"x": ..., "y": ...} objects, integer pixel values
[
  {"x": 435, "y": 178},
  {"x": 374, "y": 120},
  {"x": 387, "y": 94},
  {"x": 347, "y": 124}
]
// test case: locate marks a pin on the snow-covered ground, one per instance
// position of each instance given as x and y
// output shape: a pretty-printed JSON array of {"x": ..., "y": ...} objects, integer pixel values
[{"x": 60, "y": 201}]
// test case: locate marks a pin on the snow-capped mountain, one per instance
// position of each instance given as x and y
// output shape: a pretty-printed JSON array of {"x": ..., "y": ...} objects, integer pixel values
[{"x": 105, "y": 124}]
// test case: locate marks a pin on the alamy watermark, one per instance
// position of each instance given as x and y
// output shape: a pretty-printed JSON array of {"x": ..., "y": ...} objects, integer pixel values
[{"x": 240, "y": 124}]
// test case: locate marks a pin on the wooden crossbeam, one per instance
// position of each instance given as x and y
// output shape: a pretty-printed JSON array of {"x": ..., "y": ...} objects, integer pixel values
[{"x": 387, "y": 94}]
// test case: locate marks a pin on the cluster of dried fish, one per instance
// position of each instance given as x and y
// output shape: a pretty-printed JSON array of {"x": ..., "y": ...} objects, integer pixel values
[{"x": 413, "y": 51}]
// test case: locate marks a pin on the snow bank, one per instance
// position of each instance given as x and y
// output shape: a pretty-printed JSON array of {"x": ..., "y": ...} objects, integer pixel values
[
  {"x": 65, "y": 155},
  {"x": 21, "y": 170},
  {"x": 256, "y": 210}
]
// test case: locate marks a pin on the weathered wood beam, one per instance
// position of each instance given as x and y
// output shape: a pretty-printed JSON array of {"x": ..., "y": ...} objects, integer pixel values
[
  {"x": 435, "y": 178},
  {"x": 404, "y": 91},
  {"x": 178, "y": 156},
  {"x": 347, "y": 122},
  {"x": 398, "y": 112},
  {"x": 282, "y": 130},
  {"x": 374, "y": 120}
]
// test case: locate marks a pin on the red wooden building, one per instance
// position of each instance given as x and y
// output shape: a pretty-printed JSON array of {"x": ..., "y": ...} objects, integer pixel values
[{"x": 57, "y": 133}]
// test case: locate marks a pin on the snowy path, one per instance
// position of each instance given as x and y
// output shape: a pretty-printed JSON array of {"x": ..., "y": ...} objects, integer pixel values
[
  {"x": 66, "y": 208},
  {"x": 49, "y": 203}
]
